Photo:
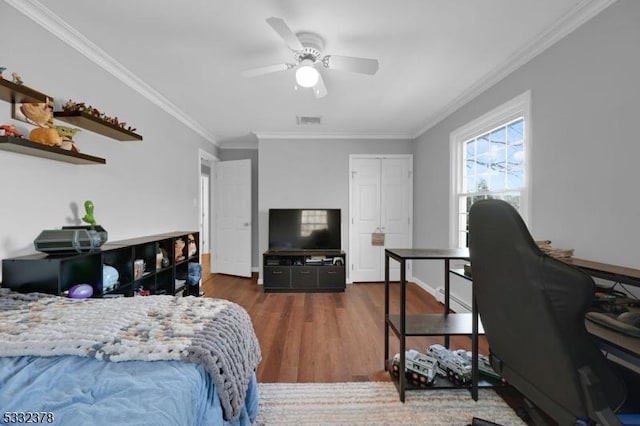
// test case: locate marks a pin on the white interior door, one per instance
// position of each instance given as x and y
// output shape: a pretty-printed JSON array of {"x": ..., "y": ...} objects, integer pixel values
[
  {"x": 365, "y": 219},
  {"x": 381, "y": 193},
  {"x": 205, "y": 203},
  {"x": 233, "y": 218},
  {"x": 396, "y": 209}
]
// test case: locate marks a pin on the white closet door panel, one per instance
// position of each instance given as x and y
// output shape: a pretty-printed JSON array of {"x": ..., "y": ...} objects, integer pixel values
[
  {"x": 368, "y": 260},
  {"x": 381, "y": 191},
  {"x": 394, "y": 213},
  {"x": 366, "y": 219}
]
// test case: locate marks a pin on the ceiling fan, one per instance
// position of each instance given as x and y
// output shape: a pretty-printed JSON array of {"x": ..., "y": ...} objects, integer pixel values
[{"x": 307, "y": 49}]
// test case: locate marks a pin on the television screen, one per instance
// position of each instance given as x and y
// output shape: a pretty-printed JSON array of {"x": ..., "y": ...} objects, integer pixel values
[{"x": 304, "y": 229}]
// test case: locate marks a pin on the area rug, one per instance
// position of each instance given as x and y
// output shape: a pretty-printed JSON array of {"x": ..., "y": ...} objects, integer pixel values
[{"x": 376, "y": 403}]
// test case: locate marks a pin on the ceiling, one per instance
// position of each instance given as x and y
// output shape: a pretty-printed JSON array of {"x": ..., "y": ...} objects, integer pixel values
[{"x": 189, "y": 56}]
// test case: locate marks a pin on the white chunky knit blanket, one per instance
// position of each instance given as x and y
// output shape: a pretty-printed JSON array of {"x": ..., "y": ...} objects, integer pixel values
[{"x": 218, "y": 334}]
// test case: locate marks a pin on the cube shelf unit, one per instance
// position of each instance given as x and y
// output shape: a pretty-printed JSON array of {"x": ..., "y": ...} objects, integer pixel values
[{"x": 164, "y": 256}]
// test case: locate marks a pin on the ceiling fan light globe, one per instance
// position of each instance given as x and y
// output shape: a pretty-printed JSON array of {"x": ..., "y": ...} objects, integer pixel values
[{"x": 307, "y": 76}]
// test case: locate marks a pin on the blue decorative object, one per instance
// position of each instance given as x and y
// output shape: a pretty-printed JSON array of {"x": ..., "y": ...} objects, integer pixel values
[
  {"x": 194, "y": 274},
  {"x": 110, "y": 277}
]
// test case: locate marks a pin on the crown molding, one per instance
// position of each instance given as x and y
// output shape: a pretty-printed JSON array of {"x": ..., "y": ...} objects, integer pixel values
[
  {"x": 583, "y": 11},
  {"x": 331, "y": 135},
  {"x": 59, "y": 28},
  {"x": 233, "y": 144}
]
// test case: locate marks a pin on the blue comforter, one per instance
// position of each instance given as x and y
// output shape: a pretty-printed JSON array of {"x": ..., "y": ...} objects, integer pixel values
[{"x": 86, "y": 391}]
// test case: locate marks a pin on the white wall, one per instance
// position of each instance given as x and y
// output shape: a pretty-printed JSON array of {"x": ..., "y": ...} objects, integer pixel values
[
  {"x": 145, "y": 187},
  {"x": 585, "y": 109},
  {"x": 297, "y": 173}
]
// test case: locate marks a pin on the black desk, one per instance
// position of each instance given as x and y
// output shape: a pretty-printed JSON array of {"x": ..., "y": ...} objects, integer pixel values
[
  {"x": 403, "y": 325},
  {"x": 615, "y": 273},
  {"x": 446, "y": 325},
  {"x": 621, "y": 345}
]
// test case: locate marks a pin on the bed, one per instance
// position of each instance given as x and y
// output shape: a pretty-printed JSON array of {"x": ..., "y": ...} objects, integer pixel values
[{"x": 156, "y": 360}]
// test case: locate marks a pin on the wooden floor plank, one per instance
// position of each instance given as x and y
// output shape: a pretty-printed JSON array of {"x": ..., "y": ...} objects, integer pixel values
[
  {"x": 325, "y": 337},
  {"x": 329, "y": 337}
]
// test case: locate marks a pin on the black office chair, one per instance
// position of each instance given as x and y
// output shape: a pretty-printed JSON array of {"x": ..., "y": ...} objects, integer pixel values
[{"x": 532, "y": 308}]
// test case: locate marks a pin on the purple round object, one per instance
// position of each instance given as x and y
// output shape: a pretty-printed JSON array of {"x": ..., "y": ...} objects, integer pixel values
[{"x": 81, "y": 291}]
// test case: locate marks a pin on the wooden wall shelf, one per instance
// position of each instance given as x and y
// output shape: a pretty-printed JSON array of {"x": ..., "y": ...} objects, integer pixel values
[
  {"x": 96, "y": 125},
  {"x": 19, "y": 93},
  {"x": 27, "y": 147}
]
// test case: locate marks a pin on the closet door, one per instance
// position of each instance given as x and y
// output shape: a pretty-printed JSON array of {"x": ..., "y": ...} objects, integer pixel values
[
  {"x": 395, "y": 215},
  {"x": 381, "y": 202},
  {"x": 365, "y": 219}
]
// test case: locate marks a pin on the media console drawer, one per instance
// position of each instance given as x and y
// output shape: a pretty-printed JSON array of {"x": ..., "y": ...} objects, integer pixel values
[
  {"x": 304, "y": 277},
  {"x": 331, "y": 276},
  {"x": 277, "y": 276}
]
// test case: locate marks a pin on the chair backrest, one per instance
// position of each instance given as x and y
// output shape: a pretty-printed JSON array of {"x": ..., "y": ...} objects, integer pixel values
[{"x": 532, "y": 308}]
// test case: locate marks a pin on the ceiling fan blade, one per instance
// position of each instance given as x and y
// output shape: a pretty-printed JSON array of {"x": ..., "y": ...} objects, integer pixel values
[
  {"x": 350, "y": 63},
  {"x": 265, "y": 70},
  {"x": 285, "y": 32},
  {"x": 320, "y": 90}
]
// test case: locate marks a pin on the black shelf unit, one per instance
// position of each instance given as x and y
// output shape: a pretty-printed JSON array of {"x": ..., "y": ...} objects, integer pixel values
[
  {"x": 448, "y": 324},
  {"x": 25, "y": 146},
  {"x": 53, "y": 274},
  {"x": 441, "y": 382},
  {"x": 162, "y": 274},
  {"x": 304, "y": 271}
]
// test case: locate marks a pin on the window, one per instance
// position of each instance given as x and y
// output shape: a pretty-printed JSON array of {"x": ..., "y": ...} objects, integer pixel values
[{"x": 490, "y": 160}]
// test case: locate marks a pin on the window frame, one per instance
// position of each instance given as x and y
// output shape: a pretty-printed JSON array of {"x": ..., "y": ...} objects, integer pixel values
[{"x": 520, "y": 106}]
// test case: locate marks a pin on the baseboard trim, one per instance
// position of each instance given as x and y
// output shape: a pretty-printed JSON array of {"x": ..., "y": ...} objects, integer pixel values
[{"x": 455, "y": 303}]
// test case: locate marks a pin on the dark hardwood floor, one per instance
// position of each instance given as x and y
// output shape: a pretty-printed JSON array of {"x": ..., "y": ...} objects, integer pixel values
[
  {"x": 325, "y": 337},
  {"x": 329, "y": 337}
]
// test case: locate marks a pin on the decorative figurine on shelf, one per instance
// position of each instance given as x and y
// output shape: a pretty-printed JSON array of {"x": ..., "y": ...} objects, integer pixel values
[
  {"x": 179, "y": 249},
  {"x": 192, "y": 247},
  {"x": 72, "y": 106},
  {"x": 66, "y": 134},
  {"x": 88, "y": 217},
  {"x": 16, "y": 78},
  {"x": 45, "y": 136},
  {"x": 2, "y": 69},
  {"x": 40, "y": 114},
  {"x": 9, "y": 130}
]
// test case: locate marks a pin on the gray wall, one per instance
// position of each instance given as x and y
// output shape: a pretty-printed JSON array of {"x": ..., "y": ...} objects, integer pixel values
[
  {"x": 585, "y": 149},
  {"x": 311, "y": 173},
  {"x": 251, "y": 154},
  {"x": 145, "y": 187}
]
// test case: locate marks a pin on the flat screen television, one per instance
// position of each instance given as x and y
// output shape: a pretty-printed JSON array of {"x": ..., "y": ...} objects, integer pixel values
[{"x": 304, "y": 229}]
